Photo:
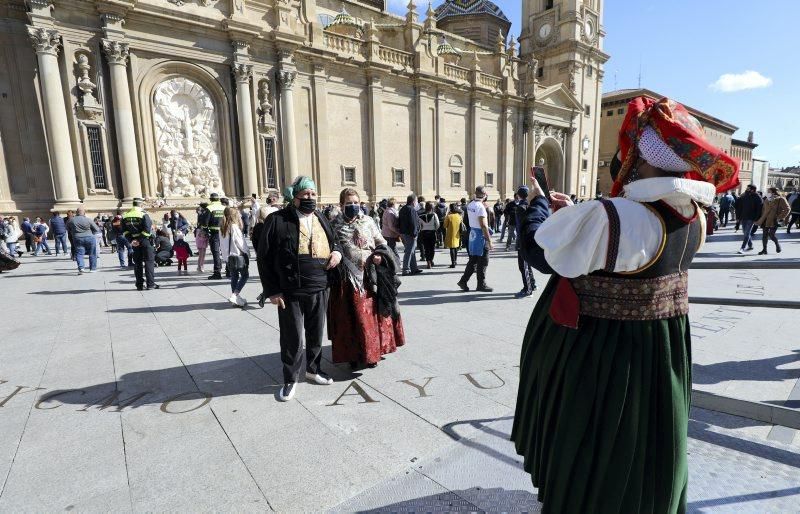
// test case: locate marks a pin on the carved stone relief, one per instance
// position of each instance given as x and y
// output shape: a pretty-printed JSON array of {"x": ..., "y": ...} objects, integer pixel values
[{"x": 187, "y": 140}]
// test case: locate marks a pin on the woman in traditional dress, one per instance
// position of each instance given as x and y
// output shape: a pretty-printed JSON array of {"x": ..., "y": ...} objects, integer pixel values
[
  {"x": 605, "y": 372},
  {"x": 363, "y": 320}
]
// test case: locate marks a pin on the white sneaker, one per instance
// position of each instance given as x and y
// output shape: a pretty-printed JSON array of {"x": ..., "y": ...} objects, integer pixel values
[
  {"x": 740, "y": 252},
  {"x": 287, "y": 391},
  {"x": 234, "y": 299},
  {"x": 319, "y": 379},
  {"x": 241, "y": 302}
]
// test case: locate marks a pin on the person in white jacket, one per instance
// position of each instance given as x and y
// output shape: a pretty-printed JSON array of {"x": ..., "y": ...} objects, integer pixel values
[{"x": 234, "y": 250}]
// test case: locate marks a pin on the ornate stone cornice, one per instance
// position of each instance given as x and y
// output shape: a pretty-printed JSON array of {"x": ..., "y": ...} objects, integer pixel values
[
  {"x": 242, "y": 72},
  {"x": 45, "y": 41},
  {"x": 240, "y": 46},
  {"x": 286, "y": 78},
  {"x": 116, "y": 52},
  {"x": 40, "y": 4}
]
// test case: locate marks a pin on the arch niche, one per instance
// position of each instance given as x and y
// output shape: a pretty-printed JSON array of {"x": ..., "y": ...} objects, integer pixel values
[
  {"x": 185, "y": 122},
  {"x": 551, "y": 152}
]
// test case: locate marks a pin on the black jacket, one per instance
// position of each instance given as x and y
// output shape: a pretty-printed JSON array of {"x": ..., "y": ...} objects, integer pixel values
[
  {"x": 749, "y": 207},
  {"x": 408, "y": 220},
  {"x": 277, "y": 254}
]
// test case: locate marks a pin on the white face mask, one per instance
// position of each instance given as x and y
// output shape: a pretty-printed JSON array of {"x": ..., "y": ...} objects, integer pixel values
[{"x": 769, "y": 196}]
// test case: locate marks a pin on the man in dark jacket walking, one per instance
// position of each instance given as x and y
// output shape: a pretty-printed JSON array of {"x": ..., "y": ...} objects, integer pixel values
[
  {"x": 408, "y": 225},
  {"x": 296, "y": 250},
  {"x": 748, "y": 211},
  {"x": 59, "y": 230}
]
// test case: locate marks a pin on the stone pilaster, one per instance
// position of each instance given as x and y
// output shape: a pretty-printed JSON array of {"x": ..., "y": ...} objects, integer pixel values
[
  {"x": 286, "y": 78},
  {"x": 320, "y": 84},
  {"x": 247, "y": 141},
  {"x": 374, "y": 93},
  {"x": 47, "y": 42},
  {"x": 117, "y": 54}
]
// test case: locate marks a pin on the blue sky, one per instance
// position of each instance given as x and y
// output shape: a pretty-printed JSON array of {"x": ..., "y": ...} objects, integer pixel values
[{"x": 702, "y": 53}]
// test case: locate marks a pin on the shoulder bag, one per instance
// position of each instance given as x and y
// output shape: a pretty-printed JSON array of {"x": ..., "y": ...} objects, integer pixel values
[{"x": 235, "y": 262}]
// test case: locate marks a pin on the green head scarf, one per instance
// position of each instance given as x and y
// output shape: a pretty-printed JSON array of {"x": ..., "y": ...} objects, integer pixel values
[{"x": 301, "y": 183}]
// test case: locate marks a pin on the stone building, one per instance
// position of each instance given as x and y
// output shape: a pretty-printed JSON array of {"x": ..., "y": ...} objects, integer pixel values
[
  {"x": 614, "y": 107},
  {"x": 785, "y": 179},
  {"x": 743, "y": 150},
  {"x": 106, "y": 100}
]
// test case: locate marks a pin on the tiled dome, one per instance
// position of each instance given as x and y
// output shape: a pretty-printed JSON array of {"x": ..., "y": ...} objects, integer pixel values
[{"x": 451, "y": 8}]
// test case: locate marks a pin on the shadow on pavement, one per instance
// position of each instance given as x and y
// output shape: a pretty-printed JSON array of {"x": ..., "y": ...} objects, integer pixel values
[
  {"x": 469, "y": 500},
  {"x": 766, "y": 370}
]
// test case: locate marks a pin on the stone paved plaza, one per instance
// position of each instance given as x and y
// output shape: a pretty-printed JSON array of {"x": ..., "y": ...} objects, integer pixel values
[{"x": 118, "y": 400}]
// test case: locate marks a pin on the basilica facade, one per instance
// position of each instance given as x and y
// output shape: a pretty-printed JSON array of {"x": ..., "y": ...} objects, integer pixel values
[{"x": 102, "y": 101}]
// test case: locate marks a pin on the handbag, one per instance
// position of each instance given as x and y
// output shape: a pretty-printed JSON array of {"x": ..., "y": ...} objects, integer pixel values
[{"x": 235, "y": 262}]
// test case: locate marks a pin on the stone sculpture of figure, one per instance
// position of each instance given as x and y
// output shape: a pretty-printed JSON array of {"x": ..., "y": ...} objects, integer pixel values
[
  {"x": 188, "y": 143},
  {"x": 541, "y": 162}
]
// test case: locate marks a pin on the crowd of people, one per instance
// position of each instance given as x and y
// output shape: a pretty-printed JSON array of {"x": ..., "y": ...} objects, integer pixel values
[{"x": 605, "y": 367}]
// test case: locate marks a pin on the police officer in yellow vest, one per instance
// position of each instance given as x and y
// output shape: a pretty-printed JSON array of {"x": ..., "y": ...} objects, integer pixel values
[
  {"x": 138, "y": 229},
  {"x": 211, "y": 221}
]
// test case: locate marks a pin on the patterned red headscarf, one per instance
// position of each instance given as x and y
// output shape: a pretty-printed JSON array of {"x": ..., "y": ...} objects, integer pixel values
[{"x": 681, "y": 132}]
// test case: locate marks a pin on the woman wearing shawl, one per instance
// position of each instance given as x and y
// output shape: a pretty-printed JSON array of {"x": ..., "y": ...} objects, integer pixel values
[
  {"x": 605, "y": 372},
  {"x": 360, "y": 331}
]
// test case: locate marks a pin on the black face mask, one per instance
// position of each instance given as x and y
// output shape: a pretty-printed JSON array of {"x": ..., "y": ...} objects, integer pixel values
[
  {"x": 307, "y": 205},
  {"x": 351, "y": 211}
]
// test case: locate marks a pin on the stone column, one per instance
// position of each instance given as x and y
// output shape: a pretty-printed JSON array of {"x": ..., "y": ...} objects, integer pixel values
[
  {"x": 117, "y": 55},
  {"x": 247, "y": 139},
  {"x": 46, "y": 42},
  {"x": 288, "y": 132},
  {"x": 474, "y": 177}
]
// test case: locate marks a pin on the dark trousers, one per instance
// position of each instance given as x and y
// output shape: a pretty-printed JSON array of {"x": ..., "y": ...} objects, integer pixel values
[
  {"x": 392, "y": 244},
  {"x": 724, "y": 214},
  {"x": 768, "y": 233},
  {"x": 477, "y": 265},
  {"x": 302, "y": 319},
  {"x": 409, "y": 253},
  {"x": 144, "y": 263},
  {"x": 512, "y": 233},
  {"x": 528, "y": 281},
  {"x": 795, "y": 221},
  {"x": 453, "y": 255},
  {"x": 427, "y": 238},
  {"x": 213, "y": 244},
  {"x": 29, "y": 244}
]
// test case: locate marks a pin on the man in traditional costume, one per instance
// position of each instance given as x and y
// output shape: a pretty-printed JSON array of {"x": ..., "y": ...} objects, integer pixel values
[
  {"x": 296, "y": 251},
  {"x": 605, "y": 372}
]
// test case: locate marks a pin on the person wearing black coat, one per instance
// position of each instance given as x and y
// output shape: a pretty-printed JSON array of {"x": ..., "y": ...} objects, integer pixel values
[
  {"x": 295, "y": 252},
  {"x": 748, "y": 210},
  {"x": 409, "y": 225}
]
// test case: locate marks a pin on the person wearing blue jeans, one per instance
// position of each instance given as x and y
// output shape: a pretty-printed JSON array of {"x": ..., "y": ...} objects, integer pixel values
[
  {"x": 59, "y": 229},
  {"x": 83, "y": 231},
  {"x": 85, "y": 245},
  {"x": 40, "y": 231}
]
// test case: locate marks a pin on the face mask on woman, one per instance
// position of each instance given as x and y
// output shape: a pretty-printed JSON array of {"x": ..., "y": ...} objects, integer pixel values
[{"x": 351, "y": 210}]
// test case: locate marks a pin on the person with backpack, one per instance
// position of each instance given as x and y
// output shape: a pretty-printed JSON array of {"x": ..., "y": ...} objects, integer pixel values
[{"x": 725, "y": 205}]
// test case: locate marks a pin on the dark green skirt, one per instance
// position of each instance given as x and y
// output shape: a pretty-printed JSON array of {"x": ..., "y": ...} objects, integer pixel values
[{"x": 603, "y": 412}]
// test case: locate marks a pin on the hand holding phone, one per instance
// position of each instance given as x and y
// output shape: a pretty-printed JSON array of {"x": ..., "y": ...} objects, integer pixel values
[{"x": 539, "y": 176}]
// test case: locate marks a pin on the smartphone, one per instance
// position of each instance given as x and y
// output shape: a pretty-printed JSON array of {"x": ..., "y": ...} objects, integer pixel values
[{"x": 539, "y": 174}]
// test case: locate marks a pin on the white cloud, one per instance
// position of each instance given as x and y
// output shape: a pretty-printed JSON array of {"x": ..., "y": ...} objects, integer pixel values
[
  {"x": 796, "y": 148},
  {"x": 732, "y": 82}
]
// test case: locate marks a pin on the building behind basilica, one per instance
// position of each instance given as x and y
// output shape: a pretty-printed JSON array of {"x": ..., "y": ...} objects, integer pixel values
[{"x": 106, "y": 100}]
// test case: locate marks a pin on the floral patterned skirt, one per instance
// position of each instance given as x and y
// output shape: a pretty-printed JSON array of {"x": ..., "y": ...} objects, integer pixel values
[{"x": 358, "y": 333}]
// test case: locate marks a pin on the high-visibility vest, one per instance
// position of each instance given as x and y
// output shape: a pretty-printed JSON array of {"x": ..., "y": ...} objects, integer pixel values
[
  {"x": 217, "y": 211},
  {"x": 133, "y": 223}
]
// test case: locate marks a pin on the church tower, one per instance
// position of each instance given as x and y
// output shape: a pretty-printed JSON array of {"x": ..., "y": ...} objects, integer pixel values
[{"x": 566, "y": 38}]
